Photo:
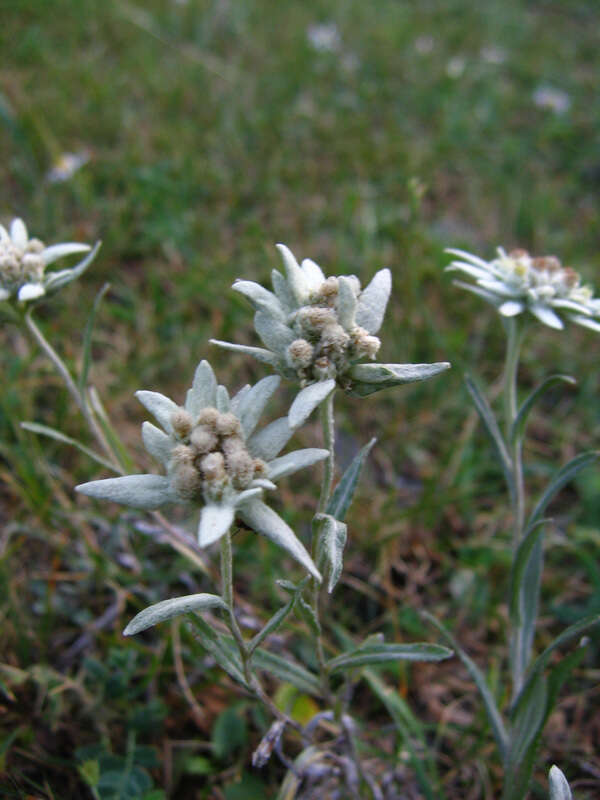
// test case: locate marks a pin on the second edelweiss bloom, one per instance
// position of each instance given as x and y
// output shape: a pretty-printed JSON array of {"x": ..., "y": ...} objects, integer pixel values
[
  {"x": 215, "y": 458},
  {"x": 318, "y": 329},
  {"x": 23, "y": 263},
  {"x": 516, "y": 282}
]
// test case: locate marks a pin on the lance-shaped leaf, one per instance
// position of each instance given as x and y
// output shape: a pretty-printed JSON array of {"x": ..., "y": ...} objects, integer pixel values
[
  {"x": 264, "y": 520},
  {"x": 287, "y": 670},
  {"x": 370, "y": 378},
  {"x": 307, "y": 400},
  {"x": 384, "y": 653},
  {"x": 346, "y": 303},
  {"x": 204, "y": 389},
  {"x": 558, "y": 785},
  {"x": 262, "y": 299},
  {"x": 296, "y": 278},
  {"x": 218, "y": 647},
  {"x": 253, "y": 403},
  {"x": 156, "y": 442},
  {"x": 373, "y": 301},
  {"x": 331, "y": 535},
  {"x": 54, "y": 280},
  {"x": 283, "y": 292},
  {"x": 518, "y": 427},
  {"x": 572, "y": 632},
  {"x": 565, "y": 474},
  {"x": 138, "y": 491},
  {"x": 344, "y": 492},
  {"x": 215, "y": 521},
  {"x": 166, "y": 609},
  {"x": 161, "y": 407},
  {"x": 274, "y": 334},
  {"x": 272, "y": 624},
  {"x": 270, "y": 440},
  {"x": 259, "y": 353},
  {"x": 223, "y": 403},
  {"x": 298, "y": 459}
]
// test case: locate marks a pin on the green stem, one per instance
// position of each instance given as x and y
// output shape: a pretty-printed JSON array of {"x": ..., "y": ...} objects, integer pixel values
[
  {"x": 513, "y": 349},
  {"x": 328, "y": 427},
  {"x": 515, "y": 330},
  {"x": 227, "y": 594},
  {"x": 77, "y": 396}
]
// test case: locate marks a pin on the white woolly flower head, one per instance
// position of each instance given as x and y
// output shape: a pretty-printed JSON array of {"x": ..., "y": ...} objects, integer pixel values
[
  {"x": 317, "y": 330},
  {"x": 515, "y": 282},
  {"x": 214, "y": 458},
  {"x": 23, "y": 263}
]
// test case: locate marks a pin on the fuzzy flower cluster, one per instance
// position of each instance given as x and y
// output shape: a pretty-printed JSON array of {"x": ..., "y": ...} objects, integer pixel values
[
  {"x": 214, "y": 458},
  {"x": 317, "y": 330},
  {"x": 23, "y": 263},
  {"x": 211, "y": 457},
  {"x": 516, "y": 282}
]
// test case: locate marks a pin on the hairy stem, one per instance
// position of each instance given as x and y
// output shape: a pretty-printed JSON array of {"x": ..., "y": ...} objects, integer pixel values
[
  {"x": 511, "y": 408},
  {"x": 513, "y": 346},
  {"x": 328, "y": 427}
]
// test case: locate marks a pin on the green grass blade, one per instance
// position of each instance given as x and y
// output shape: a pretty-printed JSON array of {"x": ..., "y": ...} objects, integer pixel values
[
  {"x": 52, "y": 433},
  {"x": 496, "y": 722},
  {"x": 87, "y": 339},
  {"x": 410, "y": 730}
]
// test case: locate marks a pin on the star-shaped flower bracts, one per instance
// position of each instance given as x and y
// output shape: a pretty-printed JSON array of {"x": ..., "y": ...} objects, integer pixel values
[
  {"x": 318, "y": 330},
  {"x": 23, "y": 263},
  {"x": 516, "y": 282},
  {"x": 215, "y": 458}
]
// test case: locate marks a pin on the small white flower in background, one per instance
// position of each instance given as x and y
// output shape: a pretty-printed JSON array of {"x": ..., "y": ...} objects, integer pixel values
[
  {"x": 23, "y": 263},
  {"x": 66, "y": 166},
  {"x": 492, "y": 54},
  {"x": 456, "y": 66},
  {"x": 553, "y": 99},
  {"x": 215, "y": 459},
  {"x": 325, "y": 37},
  {"x": 516, "y": 282},
  {"x": 424, "y": 44},
  {"x": 318, "y": 329}
]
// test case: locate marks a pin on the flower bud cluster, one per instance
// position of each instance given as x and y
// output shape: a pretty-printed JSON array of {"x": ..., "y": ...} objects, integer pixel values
[
  {"x": 210, "y": 456},
  {"x": 325, "y": 348},
  {"x": 543, "y": 277},
  {"x": 20, "y": 264}
]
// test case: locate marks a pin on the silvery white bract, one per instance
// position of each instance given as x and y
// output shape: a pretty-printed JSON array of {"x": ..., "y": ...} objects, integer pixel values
[
  {"x": 316, "y": 330},
  {"x": 215, "y": 458},
  {"x": 558, "y": 784},
  {"x": 23, "y": 263},
  {"x": 517, "y": 282}
]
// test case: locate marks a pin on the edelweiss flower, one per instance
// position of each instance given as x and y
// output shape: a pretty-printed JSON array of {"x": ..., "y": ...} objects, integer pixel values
[
  {"x": 517, "y": 282},
  {"x": 23, "y": 263},
  {"x": 214, "y": 458},
  {"x": 317, "y": 329}
]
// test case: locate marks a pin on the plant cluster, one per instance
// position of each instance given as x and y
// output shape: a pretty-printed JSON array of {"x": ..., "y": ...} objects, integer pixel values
[{"x": 320, "y": 333}]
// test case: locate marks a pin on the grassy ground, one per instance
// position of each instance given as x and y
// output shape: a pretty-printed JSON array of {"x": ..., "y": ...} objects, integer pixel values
[{"x": 215, "y": 129}]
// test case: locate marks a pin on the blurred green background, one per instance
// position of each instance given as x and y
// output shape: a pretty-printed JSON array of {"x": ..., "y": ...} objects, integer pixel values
[{"x": 362, "y": 135}]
